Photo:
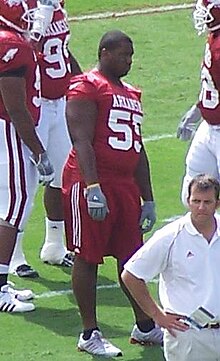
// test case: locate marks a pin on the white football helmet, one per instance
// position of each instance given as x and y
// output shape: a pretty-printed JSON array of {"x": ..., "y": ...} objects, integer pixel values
[
  {"x": 17, "y": 14},
  {"x": 207, "y": 15}
]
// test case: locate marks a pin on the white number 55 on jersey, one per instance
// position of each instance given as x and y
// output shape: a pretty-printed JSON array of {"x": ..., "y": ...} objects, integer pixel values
[{"x": 133, "y": 120}]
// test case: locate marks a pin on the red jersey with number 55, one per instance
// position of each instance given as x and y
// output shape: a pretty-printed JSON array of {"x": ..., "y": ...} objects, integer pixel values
[
  {"x": 18, "y": 59},
  {"x": 117, "y": 141},
  {"x": 54, "y": 60},
  {"x": 209, "y": 98}
]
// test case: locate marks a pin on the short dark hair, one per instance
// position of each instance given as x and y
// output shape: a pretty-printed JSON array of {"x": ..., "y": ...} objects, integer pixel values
[
  {"x": 112, "y": 39},
  {"x": 204, "y": 182}
]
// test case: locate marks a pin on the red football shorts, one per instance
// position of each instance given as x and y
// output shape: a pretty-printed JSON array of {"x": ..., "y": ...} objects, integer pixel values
[{"x": 118, "y": 235}]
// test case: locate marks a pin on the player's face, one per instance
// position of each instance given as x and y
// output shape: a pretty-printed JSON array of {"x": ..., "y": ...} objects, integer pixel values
[
  {"x": 120, "y": 59},
  {"x": 202, "y": 205}
]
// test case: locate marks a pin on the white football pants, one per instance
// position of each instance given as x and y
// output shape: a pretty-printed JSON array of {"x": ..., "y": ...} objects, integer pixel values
[
  {"x": 203, "y": 155},
  {"x": 52, "y": 131}
]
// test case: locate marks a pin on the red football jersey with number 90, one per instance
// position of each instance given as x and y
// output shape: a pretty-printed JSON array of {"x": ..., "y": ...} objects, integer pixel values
[
  {"x": 54, "y": 60},
  {"x": 117, "y": 141},
  {"x": 18, "y": 59}
]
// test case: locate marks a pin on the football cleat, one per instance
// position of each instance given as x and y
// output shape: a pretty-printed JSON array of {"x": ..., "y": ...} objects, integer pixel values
[
  {"x": 21, "y": 295},
  {"x": 24, "y": 270},
  {"x": 68, "y": 260},
  {"x": 153, "y": 337},
  {"x": 98, "y": 346},
  {"x": 9, "y": 302}
]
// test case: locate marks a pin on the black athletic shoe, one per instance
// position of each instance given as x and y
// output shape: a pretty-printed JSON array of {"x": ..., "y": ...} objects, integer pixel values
[{"x": 24, "y": 270}]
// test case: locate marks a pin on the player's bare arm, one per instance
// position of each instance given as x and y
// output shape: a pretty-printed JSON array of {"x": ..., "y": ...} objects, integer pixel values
[
  {"x": 81, "y": 120},
  {"x": 143, "y": 177},
  {"x": 75, "y": 67},
  {"x": 18, "y": 111}
]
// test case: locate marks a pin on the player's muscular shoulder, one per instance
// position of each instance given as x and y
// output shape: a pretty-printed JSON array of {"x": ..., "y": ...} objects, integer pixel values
[
  {"x": 14, "y": 51},
  {"x": 10, "y": 37},
  {"x": 81, "y": 86},
  {"x": 10, "y": 40}
]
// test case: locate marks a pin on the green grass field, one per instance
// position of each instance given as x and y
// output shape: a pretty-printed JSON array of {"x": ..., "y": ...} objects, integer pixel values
[
  {"x": 166, "y": 67},
  {"x": 86, "y": 7}
]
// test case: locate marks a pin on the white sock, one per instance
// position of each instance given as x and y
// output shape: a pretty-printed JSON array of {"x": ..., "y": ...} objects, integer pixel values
[
  {"x": 4, "y": 268},
  {"x": 3, "y": 275},
  {"x": 53, "y": 250},
  {"x": 54, "y": 231},
  {"x": 18, "y": 256}
]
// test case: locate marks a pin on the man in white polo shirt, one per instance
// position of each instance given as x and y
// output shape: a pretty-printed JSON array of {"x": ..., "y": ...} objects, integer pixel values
[{"x": 186, "y": 254}]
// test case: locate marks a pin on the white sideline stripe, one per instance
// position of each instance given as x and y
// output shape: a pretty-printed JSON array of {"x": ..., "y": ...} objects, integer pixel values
[
  {"x": 50, "y": 294},
  {"x": 107, "y": 15},
  {"x": 154, "y": 138}
]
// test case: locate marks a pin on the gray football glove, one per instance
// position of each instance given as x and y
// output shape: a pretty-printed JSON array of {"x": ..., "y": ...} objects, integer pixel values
[
  {"x": 44, "y": 167},
  {"x": 186, "y": 127},
  {"x": 96, "y": 203},
  {"x": 148, "y": 216}
]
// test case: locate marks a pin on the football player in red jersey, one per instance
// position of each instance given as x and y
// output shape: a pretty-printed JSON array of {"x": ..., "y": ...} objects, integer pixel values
[
  {"x": 56, "y": 67},
  {"x": 204, "y": 152},
  {"x": 104, "y": 178},
  {"x": 22, "y": 156}
]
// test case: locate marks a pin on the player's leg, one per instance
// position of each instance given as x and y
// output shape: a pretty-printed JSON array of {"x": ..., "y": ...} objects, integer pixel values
[
  {"x": 144, "y": 332},
  {"x": 84, "y": 272},
  {"x": 84, "y": 279},
  {"x": 53, "y": 250},
  {"x": 58, "y": 146},
  {"x": 129, "y": 239},
  {"x": 7, "y": 241},
  {"x": 82, "y": 234},
  {"x": 91, "y": 340},
  {"x": 200, "y": 158},
  {"x": 19, "y": 265},
  {"x": 16, "y": 201}
]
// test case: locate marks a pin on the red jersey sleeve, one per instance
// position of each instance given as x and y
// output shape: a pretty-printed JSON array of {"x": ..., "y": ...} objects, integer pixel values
[
  {"x": 14, "y": 53},
  {"x": 83, "y": 86},
  {"x": 18, "y": 59}
]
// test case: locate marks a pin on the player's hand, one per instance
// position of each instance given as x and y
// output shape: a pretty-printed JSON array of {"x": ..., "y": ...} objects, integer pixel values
[
  {"x": 148, "y": 216},
  {"x": 96, "y": 202},
  {"x": 44, "y": 167},
  {"x": 186, "y": 127}
]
